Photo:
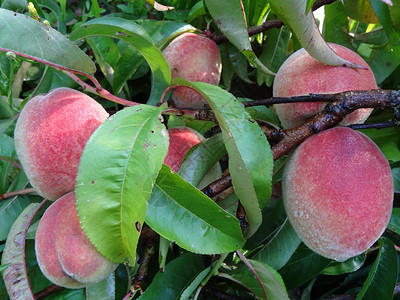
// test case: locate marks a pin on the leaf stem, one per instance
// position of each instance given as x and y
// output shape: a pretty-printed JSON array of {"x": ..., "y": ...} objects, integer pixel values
[
  {"x": 17, "y": 193},
  {"x": 247, "y": 263},
  {"x": 98, "y": 89},
  {"x": 215, "y": 268}
]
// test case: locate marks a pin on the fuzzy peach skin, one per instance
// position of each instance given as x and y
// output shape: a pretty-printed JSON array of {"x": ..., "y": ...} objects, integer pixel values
[
  {"x": 45, "y": 247},
  {"x": 181, "y": 140},
  {"x": 194, "y": 58},
  {"x": 50, "y": 135},
  {"x": 64, "y": 253},
  {"x": 338, "y": 192},
  {"x": 77, "y": 256},
  {"x": 301, "y": 75}
]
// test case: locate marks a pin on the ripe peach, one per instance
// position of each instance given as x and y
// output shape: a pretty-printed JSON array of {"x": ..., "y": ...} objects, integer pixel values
[
  {"x": 194, "y": 58},
  {"x": 64, "y": 253},
  {"x": 50, "y": 135},
  {"x": 338, "y": 192},
  {"x": 181, "y": 140},
  {"x": 45, "y": 247},
  {"x": 301, "y": 75}
]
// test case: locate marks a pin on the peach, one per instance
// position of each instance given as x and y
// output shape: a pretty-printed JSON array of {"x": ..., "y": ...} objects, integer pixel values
[
  {"x": 194, "y": 58},
  {"x": 45, "y": 247},
  {"x": 181, "y": 140},
  {"x": 301, "y": 75},
  {"x": 337, "y": 190},
  {"x": 50, "y": 135},
  {"x": 64, "y": 253}
]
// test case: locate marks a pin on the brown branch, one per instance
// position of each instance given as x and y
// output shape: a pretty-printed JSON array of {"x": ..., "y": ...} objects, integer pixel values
[
  {"x": 342, "y": 104},
  {"x": 149, "y": 239}
]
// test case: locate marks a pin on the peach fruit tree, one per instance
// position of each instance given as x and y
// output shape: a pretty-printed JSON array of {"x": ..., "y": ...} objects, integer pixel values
[{"x": 199, "y": 149}]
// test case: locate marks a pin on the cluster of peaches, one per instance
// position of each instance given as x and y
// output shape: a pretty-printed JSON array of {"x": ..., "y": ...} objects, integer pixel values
[{"x": 337, "y": 185}]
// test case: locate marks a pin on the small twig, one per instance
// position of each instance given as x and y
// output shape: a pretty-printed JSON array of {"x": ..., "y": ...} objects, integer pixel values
[
  {"x": 98, "y": 89},
  {"x": 17, "y": 193},
  {"x": 149, "y": 238},
  {"x": 381, "y": 125},
  {"x": 217, "y": 186}
]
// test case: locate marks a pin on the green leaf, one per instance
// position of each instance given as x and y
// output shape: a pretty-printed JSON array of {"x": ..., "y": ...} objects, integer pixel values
[
  {"x": 103, "y": 290},
  {"x": 382, "y": 12},
  {"x": 348, "y": 266},
  {"x": 336, "y": 25},
  {"x": 195, "y": 284},
  {"x": 292, "y": 13},
  {"x": 230, "y": 19},
  {"x": 15, "y": 276},
  {"x": 274, "y": 53},
  {"x": 135, "y": 35},
  {"x": 394, "y": 223},
  {"x": 360, "y": 10},
  {"x": 202, "y": 159},
  {"x": 394, "y": 12},
  {"x": 385, "y": 62},
  {"x": 115, "y": 177},
  {"x": 271, "y": 280},
  {"x": 178, "y": 274},
  {"x": 126, "y": 66},
  {"x": 162, "y": 32},
  {"x": 250, "y": 156},
  {"x": 388, "y": 140},
  {"x": 32, "y": 39},
  {"x": 181, "y": 213},
  {"x": 106, "y": 53},
  {"x": 303, "y": 266},
  {"x": 281, "y": 247},
  {"x": 382, "y": 278},
  {"x": 375, "y": 37},
  {"x": 9, "y": 211}
]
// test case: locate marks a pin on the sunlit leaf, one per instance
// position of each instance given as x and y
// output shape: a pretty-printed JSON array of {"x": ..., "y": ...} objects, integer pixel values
[
  {"x": 32, "y": 39},
  {"x": 116, "y": 175}
]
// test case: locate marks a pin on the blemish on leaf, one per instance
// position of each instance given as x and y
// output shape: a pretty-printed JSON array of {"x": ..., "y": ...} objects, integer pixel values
[
  {"x": 138, "y": 226},
  {"x": 120, "y": 33},
  {"x": 388, "y": 64},
  {"x": 93, "y": 181}
]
